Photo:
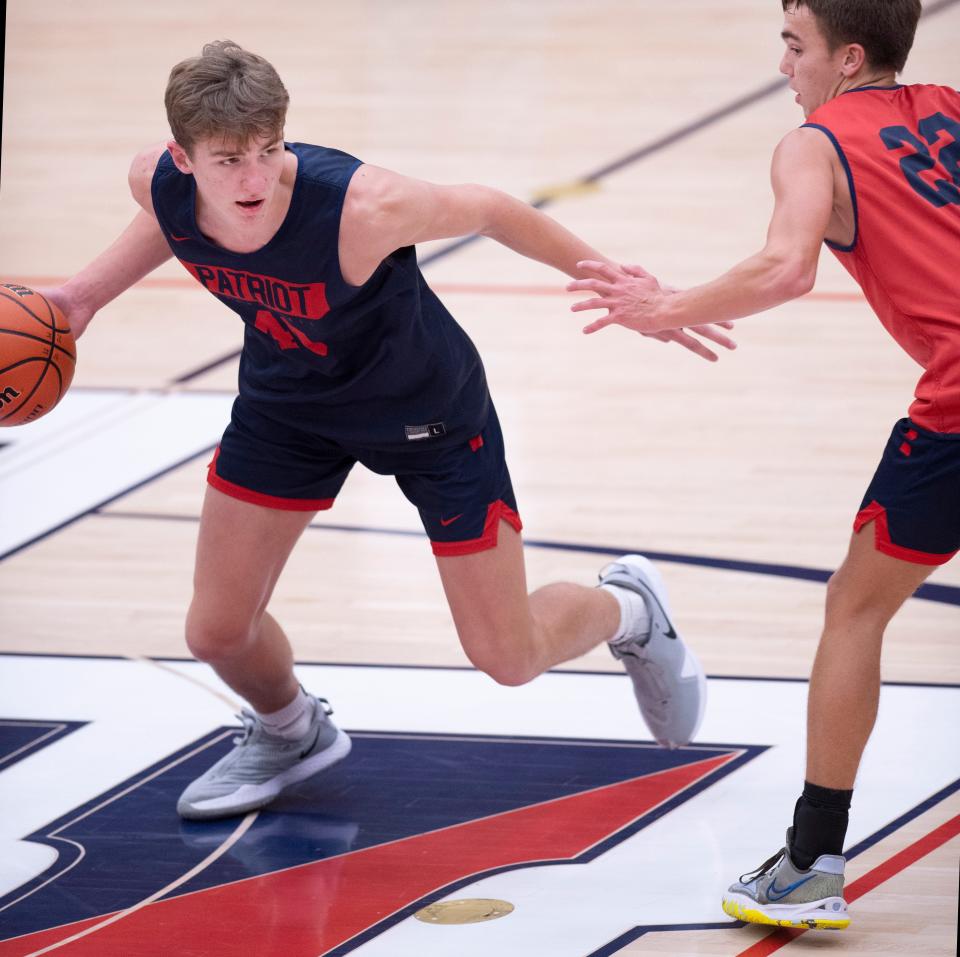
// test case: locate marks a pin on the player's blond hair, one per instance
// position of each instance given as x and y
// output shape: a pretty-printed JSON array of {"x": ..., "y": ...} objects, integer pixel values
[
  {"x": 225, "y": 92},
  {"x": 884, "y": 28}
]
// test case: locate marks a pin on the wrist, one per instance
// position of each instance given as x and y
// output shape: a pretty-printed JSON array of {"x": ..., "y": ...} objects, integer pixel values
[
  {"x": 663, "y": 311},
  {"x": 80, "y": 294}
]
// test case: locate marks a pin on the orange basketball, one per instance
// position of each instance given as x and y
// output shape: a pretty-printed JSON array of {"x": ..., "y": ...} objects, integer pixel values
[{"x": 37, "y": 354}]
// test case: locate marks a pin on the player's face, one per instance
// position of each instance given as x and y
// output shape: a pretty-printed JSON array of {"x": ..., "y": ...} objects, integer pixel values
[
  {"x": 237, "y": 181},
  {"x": 814, "y": 71}
]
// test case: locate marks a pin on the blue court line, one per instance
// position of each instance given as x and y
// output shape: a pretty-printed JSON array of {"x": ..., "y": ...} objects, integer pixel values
[
  {"x": 408, "y": 667},
  {"x": 946, "y": 594},
  {"x": 95, "y": 509}
]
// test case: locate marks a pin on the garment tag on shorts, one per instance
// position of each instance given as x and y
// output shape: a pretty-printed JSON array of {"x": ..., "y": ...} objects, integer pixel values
[{"x": 430, "y": 431}]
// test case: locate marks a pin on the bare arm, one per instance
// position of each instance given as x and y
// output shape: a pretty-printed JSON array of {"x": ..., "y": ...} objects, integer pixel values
[
  {"x": 384, "y": 211},
  {"x": 803, "y": 185},
  {"x": 139, "y": 250}
]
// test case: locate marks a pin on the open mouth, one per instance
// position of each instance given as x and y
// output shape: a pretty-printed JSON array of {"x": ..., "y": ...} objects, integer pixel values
[{"x": 249, "y": 203}]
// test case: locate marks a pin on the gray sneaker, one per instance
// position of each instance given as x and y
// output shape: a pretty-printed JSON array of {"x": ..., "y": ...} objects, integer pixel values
[
  {"x": 779, "y": 893},
  {"x": 262, "y": 765},
  {"x": 667, "y": 678}
]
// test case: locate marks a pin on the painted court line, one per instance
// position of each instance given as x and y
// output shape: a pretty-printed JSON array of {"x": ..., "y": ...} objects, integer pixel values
[{"x": 443, "y": 288}]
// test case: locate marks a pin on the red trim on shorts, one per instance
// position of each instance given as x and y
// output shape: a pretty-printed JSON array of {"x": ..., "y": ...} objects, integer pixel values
[
  {"x": 259, "y": 498},
  {"x": 877, "y": 514},
  {"x": 496, "y": 511},
  {"x": 905, "y": 448},
  {"x": 476, "y": 443}
]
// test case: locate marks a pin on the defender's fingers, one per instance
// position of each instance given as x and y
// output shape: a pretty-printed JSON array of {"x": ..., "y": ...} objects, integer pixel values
[
  {"x": 585, "y": 304},
  {"x": 599, "y": 324},
  {"x": 708, "y": 332},
  {"x": 601, "y": 270},
  {"x": 695, "y": 346},
  {"x": 590, "y": 285}
]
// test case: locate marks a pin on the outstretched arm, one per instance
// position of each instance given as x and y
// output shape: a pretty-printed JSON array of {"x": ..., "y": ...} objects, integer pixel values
[
  {"x": 786, "y": 267},
  {"x": 384, "y": 211},
  {"x": 139, "y": 250}
]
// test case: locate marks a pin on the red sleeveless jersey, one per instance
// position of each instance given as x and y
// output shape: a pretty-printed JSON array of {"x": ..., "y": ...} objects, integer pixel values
[{"x": 900, "y": 147}]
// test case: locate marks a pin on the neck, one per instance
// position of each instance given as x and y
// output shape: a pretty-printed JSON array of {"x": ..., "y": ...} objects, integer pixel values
[{"x": 875, "y": 79}]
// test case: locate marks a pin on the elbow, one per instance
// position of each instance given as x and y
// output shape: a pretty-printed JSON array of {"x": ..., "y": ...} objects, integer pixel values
[
  {"x": 791, "y": 278},
  {"x": 496, "y": 211},
  {"x": 799, "y": 283}
]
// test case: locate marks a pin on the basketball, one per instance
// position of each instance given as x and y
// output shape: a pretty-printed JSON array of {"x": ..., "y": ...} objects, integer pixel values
[{"x": 37, "y": 354}]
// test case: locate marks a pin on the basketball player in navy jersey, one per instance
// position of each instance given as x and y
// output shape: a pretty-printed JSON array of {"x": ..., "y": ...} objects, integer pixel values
[{"x": 348, "y": 357}]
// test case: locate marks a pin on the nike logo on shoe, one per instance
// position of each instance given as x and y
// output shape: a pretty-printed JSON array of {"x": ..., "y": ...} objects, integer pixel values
[
  {"x": 310, "y": 746},
  {"x": 669, "y": 631},
  {"x": 775, "y": 895}
]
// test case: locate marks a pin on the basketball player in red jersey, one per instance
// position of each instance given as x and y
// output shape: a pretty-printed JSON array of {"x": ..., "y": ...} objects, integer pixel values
[
  {"x": 875, "y": 173},
  {"x": 349, "y": 356}
]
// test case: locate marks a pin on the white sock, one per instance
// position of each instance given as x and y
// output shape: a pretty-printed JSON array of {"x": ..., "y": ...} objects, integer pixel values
[
  {"x": 634, "y": 617},
  {"x": 291, "y": 722}
]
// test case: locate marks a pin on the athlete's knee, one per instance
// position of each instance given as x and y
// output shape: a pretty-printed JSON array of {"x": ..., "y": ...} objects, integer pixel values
[
  {"x": 853, "y": 606},
  {"x": 212, "y": 637},
  {"x": 508, "y": 659},
  {"x": 511, "y": 674}
]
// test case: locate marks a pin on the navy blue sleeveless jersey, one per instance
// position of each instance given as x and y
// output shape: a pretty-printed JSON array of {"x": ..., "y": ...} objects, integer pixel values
[{"x": 379, "y": 366}]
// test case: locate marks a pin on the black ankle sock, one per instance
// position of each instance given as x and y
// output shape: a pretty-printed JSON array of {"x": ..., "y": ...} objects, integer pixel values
[{"x": 819, "y": 823}]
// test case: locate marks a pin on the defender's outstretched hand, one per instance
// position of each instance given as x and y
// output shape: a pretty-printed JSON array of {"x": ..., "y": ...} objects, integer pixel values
[{"x": 630, "y": 296}]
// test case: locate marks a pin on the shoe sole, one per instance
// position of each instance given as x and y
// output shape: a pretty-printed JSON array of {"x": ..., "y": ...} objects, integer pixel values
[
  {"x": 251, "y": 797},
  {"x": 653, "y": 581},
  {"x": 827, "y": 914}
]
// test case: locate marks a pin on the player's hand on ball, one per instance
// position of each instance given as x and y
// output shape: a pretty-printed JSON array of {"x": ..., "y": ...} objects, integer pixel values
[{"x": 77, "y": 315}]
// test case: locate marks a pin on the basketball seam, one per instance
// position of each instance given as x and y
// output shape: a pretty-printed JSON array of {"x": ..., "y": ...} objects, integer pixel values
[
  {"x": 48, "y": 363},
  {"x": 36, "y": 338},
  {"x": 13, "y": 297}
]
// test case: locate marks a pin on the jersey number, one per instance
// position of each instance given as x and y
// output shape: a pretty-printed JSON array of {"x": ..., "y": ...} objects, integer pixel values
[
  {"x": 942, "y": 192},
  {"x": 287, "y": 337}
]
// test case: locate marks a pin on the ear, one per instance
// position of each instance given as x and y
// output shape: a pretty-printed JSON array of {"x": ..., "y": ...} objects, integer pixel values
[
  {"x": 180, "y": 158},
  {"x": 854, "y": 59}
]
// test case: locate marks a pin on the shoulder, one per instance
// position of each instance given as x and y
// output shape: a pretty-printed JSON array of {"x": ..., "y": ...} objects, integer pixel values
[
  {"x": 375, "y": 192},
  {"x": 809, "y": 144},
  {"x": 141, "y": 173},
  {"x": 322, "y": 165}
]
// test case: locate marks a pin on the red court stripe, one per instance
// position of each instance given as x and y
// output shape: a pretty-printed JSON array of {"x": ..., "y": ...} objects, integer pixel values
[
  {"x": 172, "y": 282},
  {"x": 863, "y": 885},
  {"x": 315, "y": 907}
]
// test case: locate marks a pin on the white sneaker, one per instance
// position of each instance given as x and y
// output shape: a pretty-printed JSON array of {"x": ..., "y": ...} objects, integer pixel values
[
  {"x": 263, "y": 765},
  {"x": 668, "y": 680}
]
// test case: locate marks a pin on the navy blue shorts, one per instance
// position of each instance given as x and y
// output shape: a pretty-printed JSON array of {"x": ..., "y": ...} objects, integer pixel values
[
  {"x": 914, "y": 497},
  {"x": 462, "y": 491}
]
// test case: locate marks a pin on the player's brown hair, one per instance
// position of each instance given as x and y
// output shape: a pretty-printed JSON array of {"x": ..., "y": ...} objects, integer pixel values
[
  {"x": 226, "y": 91},
  {"x": 884, "y": 28}
]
